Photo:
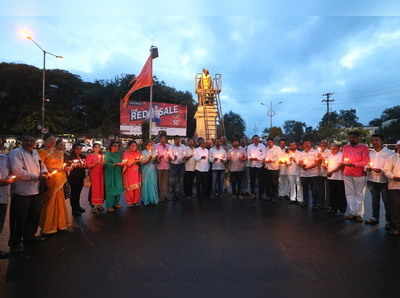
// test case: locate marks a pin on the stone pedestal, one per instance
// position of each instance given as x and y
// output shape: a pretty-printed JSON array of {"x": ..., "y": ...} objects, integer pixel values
[{"x": 206, "y": 121}]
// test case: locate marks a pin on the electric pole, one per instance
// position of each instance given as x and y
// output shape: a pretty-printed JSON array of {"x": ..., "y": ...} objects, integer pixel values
[{"x": 327, "y": 100}]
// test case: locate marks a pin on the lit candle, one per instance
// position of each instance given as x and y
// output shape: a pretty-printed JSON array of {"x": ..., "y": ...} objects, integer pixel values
[
  {"x": 326, "y": 162},
  {"x": 12, "y": 177},
  {"x": 53, "y": 173},
  {"x": 370, "y": 164},
  {"x": 346, "y": 160}
]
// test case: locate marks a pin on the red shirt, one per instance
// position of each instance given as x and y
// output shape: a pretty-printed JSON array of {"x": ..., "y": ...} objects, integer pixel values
[{"x": 357, "y": 155}]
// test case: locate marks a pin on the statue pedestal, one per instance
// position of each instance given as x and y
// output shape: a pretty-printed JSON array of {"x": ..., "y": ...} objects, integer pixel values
[{"x": 206, "y": 121}]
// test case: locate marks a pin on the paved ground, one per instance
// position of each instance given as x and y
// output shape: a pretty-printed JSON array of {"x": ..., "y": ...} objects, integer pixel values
[{"x": 222, "y": 248}]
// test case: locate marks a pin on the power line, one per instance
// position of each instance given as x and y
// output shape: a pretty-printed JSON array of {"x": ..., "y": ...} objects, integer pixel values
[{"x": 327, "y": 100}]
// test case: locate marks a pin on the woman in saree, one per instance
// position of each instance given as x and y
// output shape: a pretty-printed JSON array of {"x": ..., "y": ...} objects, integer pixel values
[
  {"x": 113, "y": 177},
  {"x": 95, "y": 164},
  {"x": 149, "y": 176},
  {"x": 131, "y": 175},
  {"x": 55, "y": 216}
]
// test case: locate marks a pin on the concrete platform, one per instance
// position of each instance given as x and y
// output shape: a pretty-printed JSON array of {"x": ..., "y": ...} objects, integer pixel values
[{"x": 224, "y": 248}]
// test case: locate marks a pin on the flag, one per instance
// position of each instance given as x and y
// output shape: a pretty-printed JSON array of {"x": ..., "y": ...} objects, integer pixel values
[{"x": 144, "y": 79}]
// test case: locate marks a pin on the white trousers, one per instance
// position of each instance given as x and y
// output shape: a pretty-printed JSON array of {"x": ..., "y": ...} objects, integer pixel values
[
  {"x": 295, "y": 190},
  {"x": 283, "y": 185},
  {"x": 355, "y": 188}
]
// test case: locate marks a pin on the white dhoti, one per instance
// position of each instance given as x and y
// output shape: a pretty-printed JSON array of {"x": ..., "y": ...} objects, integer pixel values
[
  {"x": 355, "y": 194},
  {"x": 295, "y": 190}
]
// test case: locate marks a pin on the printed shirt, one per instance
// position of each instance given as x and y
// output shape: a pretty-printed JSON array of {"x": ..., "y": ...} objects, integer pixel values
[
  {"x": 392, "y": 169},
  {"x": 258, "y": 152},
  {"x": 179, "y": 152},
  {"x": 377, "y": 161},
  {"x": 163, "y": 151},
  {"x": 357, "y": 155},
  {"x": 333, "y": 162},
  {"x": 26, "y": 166},
  {"x": 202, "y": 164},
  {"x": 292, "y": 168},
  {"x": 309, "y": 158},
  {"x": 221, "y": 155},
  {"x": 235, "y": 162},
  {"x": 190, "y": 164},
  {"x": 273, "y": 154},
  {"x": 4, "y": 174}
]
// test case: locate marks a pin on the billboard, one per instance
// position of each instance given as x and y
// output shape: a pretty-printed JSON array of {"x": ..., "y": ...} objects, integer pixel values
[{"x": 168, "y": 117}]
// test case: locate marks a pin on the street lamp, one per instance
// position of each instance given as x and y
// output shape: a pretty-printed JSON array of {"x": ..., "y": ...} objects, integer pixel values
[
  {"x": 271, "y": 113},
  {"x": 28, "y": 36}
]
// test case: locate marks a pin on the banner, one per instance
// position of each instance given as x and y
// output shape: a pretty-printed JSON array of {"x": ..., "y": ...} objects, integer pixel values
[{"x": 169, "y": 117}]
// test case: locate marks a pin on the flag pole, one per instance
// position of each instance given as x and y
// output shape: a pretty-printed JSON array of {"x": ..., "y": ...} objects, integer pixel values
[{"x": 153, "y": 54}]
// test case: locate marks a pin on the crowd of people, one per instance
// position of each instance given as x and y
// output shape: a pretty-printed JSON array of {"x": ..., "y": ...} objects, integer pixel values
[{"x": 45, "y": 185}]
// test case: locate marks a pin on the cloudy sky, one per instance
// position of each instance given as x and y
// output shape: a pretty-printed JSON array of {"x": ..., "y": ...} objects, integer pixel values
[{"x": 288, "y": 59}]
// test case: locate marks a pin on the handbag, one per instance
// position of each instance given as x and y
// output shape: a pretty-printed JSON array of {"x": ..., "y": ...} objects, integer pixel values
[{"x": 43, "y": 187}]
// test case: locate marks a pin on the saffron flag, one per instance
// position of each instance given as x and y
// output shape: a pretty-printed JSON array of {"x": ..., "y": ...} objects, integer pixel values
[{"x": 144, "y": 79}]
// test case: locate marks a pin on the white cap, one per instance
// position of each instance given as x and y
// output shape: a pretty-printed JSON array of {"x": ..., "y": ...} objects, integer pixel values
[{"x": 398, "y": 143}]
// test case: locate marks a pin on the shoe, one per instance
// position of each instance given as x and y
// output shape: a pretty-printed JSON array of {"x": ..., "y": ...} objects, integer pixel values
[
  {"x": 292, "y": 202},
  {"x": 4, "y": 255},
  {"x": 303, "y": 205},
  {"x": 118, "y": 206},
  {"x": 372, "y": 222},
  {"x": 81, "y": 210},
  {"x": 110, "y": 210},
  {"x": 349, "y": 217},
  {"x": 358, "y": 219}
]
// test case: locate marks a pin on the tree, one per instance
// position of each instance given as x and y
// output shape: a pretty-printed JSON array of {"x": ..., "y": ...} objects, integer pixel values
[
  {"x": 294, "y": 130},
  {"x": 234, "y": 125},
  {"x": 389, "y": 124},
  {"x": 273, "y": 132},
  {"x": 349, "y": 118}
]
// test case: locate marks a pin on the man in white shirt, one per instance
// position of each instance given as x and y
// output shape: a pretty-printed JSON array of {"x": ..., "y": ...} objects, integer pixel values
[
  {"x": 202, "y": 167},
  {"x": 5, "y": 184},
  {"x": 377, "y": 181},
  {"x": 177, "y": 168},
  {"x": 26, "y": 204},
  {"x": 246, "y": 173},
  {"x": 392, "y": 172},
  {"x": 293, "y": 171},
  {"x": 256, "y": 156},
  {"x": 190, "y": 165},
  {"x": 309, "y": 175},
  {"x": 237, "y": 163},
  {"x": 283, "y": 167},
  {"x": 272, "y": 156},
  {"x": 218, "y": 157},
  {"x": 323, "y": 150},
  {"x": 332, "y": 165}
]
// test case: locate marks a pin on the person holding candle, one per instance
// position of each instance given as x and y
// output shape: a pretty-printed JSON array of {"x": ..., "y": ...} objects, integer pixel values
[
  {"x": 256, "y": 155},
  {"x": 323, "y": 150},
  {"x": 218, "y": 157},
  {"x": 95, "y": 164},
  {"x": 392, "y": 172},
  {"x": 190, "y": 165},
  {"x": 246, "y": 175},
  {"x": 272, "y": 156},
  {"x": 163, "y": 159},
  {"x": 6, "y": 179},
  {"x": 334, "y": 171},
  {"x": 293, "y": 171},
  {"x": 177, "y": 168},
  {"x": 131, "y": 175},
  {"x": 76, "y": 175},
  {"x": 113, "y": 176},
  {"x": 355, "y": 159},
  {"x": 149, "y": 175},
  {"x": 56, "y": 215},
  {"x": 309, "y": 176},
  {"x": 26, "y": 203},
  {"x": 283, "y": 168},
  {"x": 377, "y": 181},
  {"x": 201, "y": 156},
  {"x": 237, "y": 163}
]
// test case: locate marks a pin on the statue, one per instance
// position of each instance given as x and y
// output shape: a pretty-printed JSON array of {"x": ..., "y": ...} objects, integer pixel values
[{"x": 205, "y": 88}]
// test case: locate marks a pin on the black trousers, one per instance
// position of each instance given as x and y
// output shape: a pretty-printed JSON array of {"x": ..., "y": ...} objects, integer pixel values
[
  {"x": 202, "y": 184},
  {"x": 76, "y": 189},
  {"x": 256, "y": 176},
  {"x": 337, "y": 195},
  {"x": 311, "y": 189},
  {"x": 236, "y": 182},
  {"x": 377, "y": 190},
  {"x": 272, "y": 183},
  {"x": 394, "y": 198},
  {"x": 24, "y": 218},
  {"x": 3, "y": 212},
  {"x": 188, "y": 181}
]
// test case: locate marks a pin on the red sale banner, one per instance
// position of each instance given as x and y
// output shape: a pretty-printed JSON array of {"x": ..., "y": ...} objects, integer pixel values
[{"x": 168, "y": 117}]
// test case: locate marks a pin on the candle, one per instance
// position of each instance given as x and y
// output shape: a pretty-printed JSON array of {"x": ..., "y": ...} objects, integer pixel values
[
  {"x": 346, "y": 160},
  {"x": 370, "y": 164},
  {"x": 12, "y": 177},
  {"x": 53, "y": 172}
]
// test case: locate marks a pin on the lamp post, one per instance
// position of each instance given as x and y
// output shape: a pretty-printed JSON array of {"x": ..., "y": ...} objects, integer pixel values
[
  {"x": 43, "y": 129},
  {"x": 271, "y": 113}
]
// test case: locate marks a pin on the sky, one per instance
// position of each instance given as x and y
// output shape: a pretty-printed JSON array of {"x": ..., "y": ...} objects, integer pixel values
[{"x": 264, "y": 57}]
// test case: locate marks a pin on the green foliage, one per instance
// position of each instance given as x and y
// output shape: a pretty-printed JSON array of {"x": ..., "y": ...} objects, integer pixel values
[
  {"x": 294, "y": 130},
  {"x": 234, "y": 125},
  {"x": 273, "y": 132}
]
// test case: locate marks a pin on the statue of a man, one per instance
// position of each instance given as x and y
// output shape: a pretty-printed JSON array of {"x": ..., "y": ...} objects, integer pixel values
[{"x": 205, "y": 88}]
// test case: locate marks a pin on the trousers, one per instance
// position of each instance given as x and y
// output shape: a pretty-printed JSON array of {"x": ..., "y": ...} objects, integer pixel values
[
  {"x": 379, "y": 190},
  {"x": 355, "y": 194}
]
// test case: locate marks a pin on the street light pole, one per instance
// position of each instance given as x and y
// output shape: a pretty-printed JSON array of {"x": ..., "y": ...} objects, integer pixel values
[
  {"x": 43, "y": 79},
  {"x": 271, "y": 113}
]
